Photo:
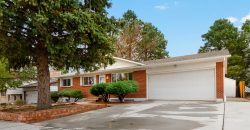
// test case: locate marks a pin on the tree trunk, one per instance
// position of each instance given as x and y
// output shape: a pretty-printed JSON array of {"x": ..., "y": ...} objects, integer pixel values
[
  {"x": 105, "y": 97},
  {"x": 43, "y": 79},
  {"x": 121, "y": 98},
  {"x": 146, "y": 55}
]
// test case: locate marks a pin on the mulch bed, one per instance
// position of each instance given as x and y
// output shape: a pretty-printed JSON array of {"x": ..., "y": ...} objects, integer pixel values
[
  {"x": 29, "y": 113},
  {"x": 29, "y": 108}
]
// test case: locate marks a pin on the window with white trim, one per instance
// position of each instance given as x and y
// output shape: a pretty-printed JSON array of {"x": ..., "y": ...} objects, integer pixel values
[
  {"x": 88, "y": 81},
  {"x": 121, "y": 76},
  {"x": 3, "y": 93},
  {"x": 66, "y": 82}
]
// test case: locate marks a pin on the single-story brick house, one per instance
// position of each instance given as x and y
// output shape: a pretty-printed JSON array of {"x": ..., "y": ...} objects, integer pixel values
[{"x": 192, "y": 77}]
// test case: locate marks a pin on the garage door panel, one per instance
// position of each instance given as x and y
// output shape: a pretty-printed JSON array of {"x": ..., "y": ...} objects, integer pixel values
[
  {"x": 31, "y": 97},
  {"x": 189, "y": 85}
]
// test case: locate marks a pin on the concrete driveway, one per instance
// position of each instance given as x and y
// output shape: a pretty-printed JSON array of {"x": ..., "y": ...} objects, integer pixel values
[
  {"x": 151, "y": 115},
  {"x": 237, "y": 116}
]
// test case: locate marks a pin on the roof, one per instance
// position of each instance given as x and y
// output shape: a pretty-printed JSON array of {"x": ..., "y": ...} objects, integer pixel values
[
  {"x": 221, "y": 53},
  {"x": 130, "y": 61},
  {"x": 203, "y": 56},
  {"x": 35, "y": 84}
]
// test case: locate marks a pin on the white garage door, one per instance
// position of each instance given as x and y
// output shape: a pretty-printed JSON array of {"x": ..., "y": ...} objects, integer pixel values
[
  {"x": 31, "y": 97},
  {"x": 188, "y": 85}
]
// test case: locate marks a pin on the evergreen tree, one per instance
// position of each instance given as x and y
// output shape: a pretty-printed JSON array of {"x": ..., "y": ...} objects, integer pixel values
[{"x": 58, "y": 33}]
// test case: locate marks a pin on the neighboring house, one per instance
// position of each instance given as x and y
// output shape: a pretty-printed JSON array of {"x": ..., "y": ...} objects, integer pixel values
[
  {"x": 28, "y": 91},
  {"x": 3, "y": 97},
  {"x": 193, "y": 77}
]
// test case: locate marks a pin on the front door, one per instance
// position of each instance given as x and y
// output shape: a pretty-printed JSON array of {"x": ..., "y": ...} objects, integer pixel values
[{"x": 102, "y": 79}]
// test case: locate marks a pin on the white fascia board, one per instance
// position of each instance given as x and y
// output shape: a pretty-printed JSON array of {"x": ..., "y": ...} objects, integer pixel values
[
  {"x": 215, "y": 59},
  {"x": 65, "y": 75},
  {"x": 100, "y": 72},
  {"x": 113, "y": 70}
]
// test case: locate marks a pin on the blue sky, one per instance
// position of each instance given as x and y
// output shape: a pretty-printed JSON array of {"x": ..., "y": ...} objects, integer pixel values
[{"x": 183, "y": 21}]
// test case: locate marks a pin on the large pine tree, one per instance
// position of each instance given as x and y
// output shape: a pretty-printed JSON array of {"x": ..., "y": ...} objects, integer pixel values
[
  {"x": 223, "y": 35},
  {"x": 57, "y": 33}
]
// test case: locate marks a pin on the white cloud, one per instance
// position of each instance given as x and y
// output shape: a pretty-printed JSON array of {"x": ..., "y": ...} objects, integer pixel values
[
  {"x": 232, "y": 19},
  {"x": 247, "y": 17},
  {"x": 161, "y": 7}
]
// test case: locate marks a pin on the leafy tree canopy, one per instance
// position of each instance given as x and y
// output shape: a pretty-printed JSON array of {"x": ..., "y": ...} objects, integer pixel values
[
  {"x": 247, "y": 69},
  {"x": 246, "y": 34},
  {"x": 223, "y": 35},
  {"x": 71, "y": 34},
  {"x": 138, "y": 40},
  {"x": 13, "y": 79}
]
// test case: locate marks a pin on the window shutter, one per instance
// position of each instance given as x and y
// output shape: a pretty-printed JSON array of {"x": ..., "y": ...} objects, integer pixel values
[
  {"x": 71, "y": 81},
  {"x": 81, "y": 81}
]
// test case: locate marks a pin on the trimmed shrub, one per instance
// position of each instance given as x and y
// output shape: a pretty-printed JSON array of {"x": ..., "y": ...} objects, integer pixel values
[
  {"x": 54, "y": 96},
  {"x": 100, "y": 90},
  {"x": 71, "y": 93},
  {"x": 77, "y": 94},
  {"x": 122, "y": 88}
]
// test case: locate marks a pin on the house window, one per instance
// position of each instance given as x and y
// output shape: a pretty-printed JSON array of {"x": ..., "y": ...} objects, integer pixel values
[
  {"x": 88, "y": 81},
  {"x": 3, "y": 93},
  {"x": 66, "y": 82},
  {"x": 121, "y": 76}
]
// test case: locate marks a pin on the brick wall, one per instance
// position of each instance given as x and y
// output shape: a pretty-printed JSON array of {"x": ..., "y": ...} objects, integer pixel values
[
  {"x": 76, "y": 85},
  {"x": 140, "y": 77},
  {"x": 219, "y": 80},
  {"x": 35, "y": 116}
]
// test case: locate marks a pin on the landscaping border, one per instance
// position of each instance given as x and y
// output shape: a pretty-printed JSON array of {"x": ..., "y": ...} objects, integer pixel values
[{"x": 41, "y": 115}]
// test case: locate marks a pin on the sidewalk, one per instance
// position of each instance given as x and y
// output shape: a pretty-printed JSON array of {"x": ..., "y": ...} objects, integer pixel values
[
  {"x": 7, "y": 125},
  {"x": 237, "y": 116}
]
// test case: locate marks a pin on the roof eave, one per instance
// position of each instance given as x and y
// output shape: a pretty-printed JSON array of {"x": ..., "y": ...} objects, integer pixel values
[
  {"x": 130, "y": 61},
  {"x": 189, "y": 61}
]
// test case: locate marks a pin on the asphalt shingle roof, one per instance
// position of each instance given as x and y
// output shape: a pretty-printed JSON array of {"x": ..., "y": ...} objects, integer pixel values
[
  {"x": 35, "y": 84},
  {"x": 189, "y": 57}
]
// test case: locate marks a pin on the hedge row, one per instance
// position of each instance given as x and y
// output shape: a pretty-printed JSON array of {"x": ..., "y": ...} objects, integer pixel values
[{"x": 69, "y": 93}]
